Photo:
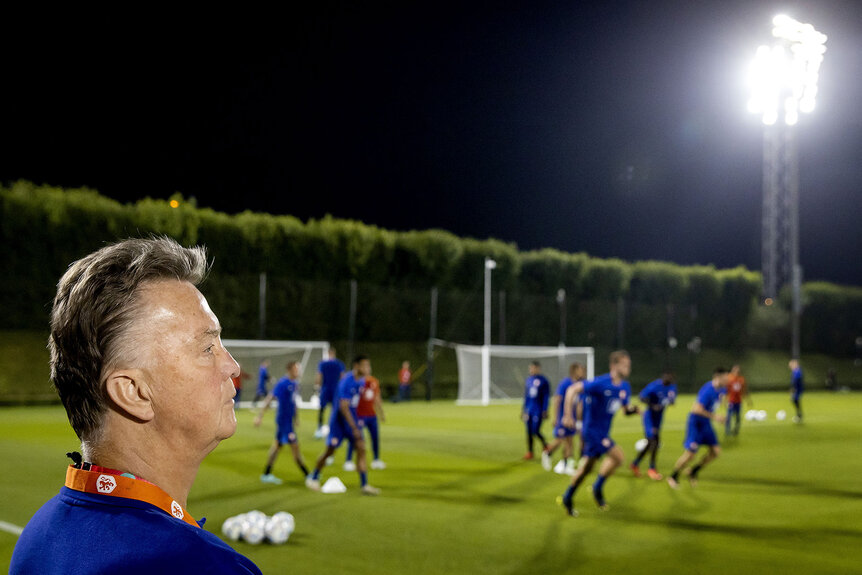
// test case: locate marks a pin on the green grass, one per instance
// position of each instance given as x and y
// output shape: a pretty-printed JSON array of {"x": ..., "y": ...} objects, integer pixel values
[{"x": 783, "y": 498}]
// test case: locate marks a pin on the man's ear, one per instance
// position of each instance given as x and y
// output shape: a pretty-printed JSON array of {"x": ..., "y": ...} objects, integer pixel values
[{"x": 129, "y": 391}]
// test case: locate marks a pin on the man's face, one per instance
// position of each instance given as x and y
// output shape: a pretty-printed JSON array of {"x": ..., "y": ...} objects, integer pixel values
[
  {"x": 722, "y": 379},
  {"x": 294, "y": 372},
  {"x": 188, "y": 369},
  {"x": 623, "y": 367},
  {"x": 533, "y": 369},
  {"x": 363, "y": 368}
]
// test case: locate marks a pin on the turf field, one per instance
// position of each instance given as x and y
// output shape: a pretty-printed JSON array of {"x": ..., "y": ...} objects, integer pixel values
[{"x": 457, "y": 498}]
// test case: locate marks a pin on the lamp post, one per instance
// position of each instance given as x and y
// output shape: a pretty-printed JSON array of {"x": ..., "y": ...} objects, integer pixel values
[
  {"x": 784, "y": 82},
  {"x": 486, "y": 347}
]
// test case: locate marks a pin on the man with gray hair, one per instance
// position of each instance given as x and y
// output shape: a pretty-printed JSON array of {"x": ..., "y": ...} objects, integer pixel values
[{"x": 138, "y": 362}]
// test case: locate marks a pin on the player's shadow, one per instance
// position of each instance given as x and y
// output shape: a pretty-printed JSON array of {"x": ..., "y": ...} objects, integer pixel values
[{"x": 794, "y": 486}]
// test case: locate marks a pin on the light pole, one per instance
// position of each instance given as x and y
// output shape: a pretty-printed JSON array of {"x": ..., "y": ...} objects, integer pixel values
[
  {"x": 486, "y": 347},
  {"x": 784, "y": 82}
]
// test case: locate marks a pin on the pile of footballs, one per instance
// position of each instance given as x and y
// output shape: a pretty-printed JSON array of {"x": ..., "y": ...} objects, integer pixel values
[
  {"x": 255, "y": 526},
  {"x": 760, "y": 415}
]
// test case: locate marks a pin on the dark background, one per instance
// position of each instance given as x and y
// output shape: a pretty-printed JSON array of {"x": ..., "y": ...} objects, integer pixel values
[{"x": 616, "y": 128}]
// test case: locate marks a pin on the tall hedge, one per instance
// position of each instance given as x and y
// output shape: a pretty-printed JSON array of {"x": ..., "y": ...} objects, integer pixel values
[{"x": 310, "y": 265}]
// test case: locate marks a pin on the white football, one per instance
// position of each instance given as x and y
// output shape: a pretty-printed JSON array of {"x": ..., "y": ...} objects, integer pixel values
[
  {"x": 641, "y": 444},
  {"x": 287, "y": 518},
  {"x": 761, "y": 415},
  {"x": 750, "y": 415},
  {"x": 781, "y": 415},
  {"x": 232, "y": 528},
  {"x": 253, "y": 532},
  {"x": 256, "y": 516},
  {"x": 276, "y": 530}
]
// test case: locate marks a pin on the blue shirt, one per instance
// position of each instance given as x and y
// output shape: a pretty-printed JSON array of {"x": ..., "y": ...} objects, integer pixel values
[
  {"x": 285, "y": 391},
  {"x": 562, "y": 387},
  {"x": 602, "y": 399},
  {"x": 262, "y": 377},
  {"x": 708, "y": 396},
  {"x": 537, "y": 391},
  {"x": 76, "y": 532},
  {"x": 348, "y": 388},
  {"x": 657, "y": 395},
  {"x": 330, "y": 373},
  {"x": 796, "y": 379}
]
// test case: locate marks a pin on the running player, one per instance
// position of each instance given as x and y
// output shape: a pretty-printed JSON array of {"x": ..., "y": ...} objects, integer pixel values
[
  {"x": 370, "y": 405},
  {"x": 329, "y": 372},
  {"x": 563, "y": 435},
  {"x": 796, "y": 388},
  {"x": 603, "y": 397},
  {"x": 736, "y": 390},
  {"x": 699, "y": 431},
  {"x": 286, "y": 420},
  {"x": 535, "y": 409},
  {"x": 656, "y": 395},
  {"x": 262, "y": 381},
  {"x": 343, "y": 425}
]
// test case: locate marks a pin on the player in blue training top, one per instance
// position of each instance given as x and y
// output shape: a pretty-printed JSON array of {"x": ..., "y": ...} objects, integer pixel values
[
  {"x": 656, "y": 395},
  {"x": 329, "y": 372},
  {"x": 796, "y": 388},
  {"x": 603, "y": 397},
  {"x": 699, "y": 431},
  {"x": 286, "y": 420},
  {"x": 563, "y": 435},
  {"x": 262, "y": 381},
  {"x": 344, "y": 424},
  {"x": 535, "y": 410}
]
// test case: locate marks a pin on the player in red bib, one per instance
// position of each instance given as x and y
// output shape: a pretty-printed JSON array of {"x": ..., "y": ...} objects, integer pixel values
[{"x": 369, "y": 408}]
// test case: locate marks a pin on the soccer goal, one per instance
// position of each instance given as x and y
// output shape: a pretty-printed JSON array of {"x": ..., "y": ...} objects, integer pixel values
[
  {"x": 250, "y": 353},
  {"x": 497, "y": 373}
]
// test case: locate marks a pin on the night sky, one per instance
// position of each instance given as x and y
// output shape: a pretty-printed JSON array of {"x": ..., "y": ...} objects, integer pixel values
[{"x": 618, "y": 129}]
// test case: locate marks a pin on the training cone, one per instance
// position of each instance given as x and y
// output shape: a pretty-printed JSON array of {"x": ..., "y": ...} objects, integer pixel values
[{"x": 333, "y": 485}]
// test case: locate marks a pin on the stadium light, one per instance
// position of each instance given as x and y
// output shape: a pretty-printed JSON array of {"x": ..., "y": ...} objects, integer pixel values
[
  {"x": 486, "y": 348},
  {"x": 784, "y": 84}
]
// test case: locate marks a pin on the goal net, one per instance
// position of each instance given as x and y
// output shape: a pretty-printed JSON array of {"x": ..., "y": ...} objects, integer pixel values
[
  {"x": 250, "y": 353},
  {"x": 495, "y": 373}
]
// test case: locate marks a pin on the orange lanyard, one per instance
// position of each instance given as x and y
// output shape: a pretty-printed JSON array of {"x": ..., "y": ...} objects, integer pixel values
[{"x": 121, "y": 486}]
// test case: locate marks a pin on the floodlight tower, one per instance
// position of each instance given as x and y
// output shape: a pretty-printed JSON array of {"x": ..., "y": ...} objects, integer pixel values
[{"x": 784, "y": 83}]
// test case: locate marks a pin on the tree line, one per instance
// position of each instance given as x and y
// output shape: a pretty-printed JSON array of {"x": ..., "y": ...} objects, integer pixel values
[{"x": 309, "y": 267}]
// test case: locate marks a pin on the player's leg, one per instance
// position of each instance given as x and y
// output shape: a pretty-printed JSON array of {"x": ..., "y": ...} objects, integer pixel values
[
  {"x": 267, "y": 476},
  {"x": 713, "y": 452},
  {"x": 584, "y": 467},
  {"x": 374, "y": 432},
  {"x": 613, "y": 459},
  {"x": 297, "y": 457},
  {"x": 681, "y": 463},
  {"x": 531, "y": 429}
]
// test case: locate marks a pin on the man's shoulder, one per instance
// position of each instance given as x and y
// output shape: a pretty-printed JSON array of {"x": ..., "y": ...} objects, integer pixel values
[{"x": 99, "y": 533}]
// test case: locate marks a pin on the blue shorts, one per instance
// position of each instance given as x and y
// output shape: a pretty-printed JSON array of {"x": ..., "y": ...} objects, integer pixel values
[
  {"x": 699, "y": 432},
  {"x": 339, "y": 431},
  {"x": 285, "y": 435},
  {"x": 797, "y": 393},
  {"x": 327, "y": 396},
  {"x": 652, "y": 423},
  {"x": 534, "y": 422},
  {"x": 562, "y": 431},
  {"x": 596, "y": 446}
]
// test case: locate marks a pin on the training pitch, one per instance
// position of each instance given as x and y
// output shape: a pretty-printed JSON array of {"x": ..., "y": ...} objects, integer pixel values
[{"x": 457, "y": 498}]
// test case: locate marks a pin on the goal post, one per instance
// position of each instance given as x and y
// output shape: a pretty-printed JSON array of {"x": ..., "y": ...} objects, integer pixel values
[
  {"x": 496, "y": 373},
  {"x": 250, "y": 353}
]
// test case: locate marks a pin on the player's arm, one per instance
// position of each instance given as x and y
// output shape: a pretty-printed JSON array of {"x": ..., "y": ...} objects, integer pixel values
[
  {"x": 631, "y": 410},
  {"x": 263, "y": 409},
  {"x": 699, "y": 409},
  {"x": 378, "y": 407},
  {"x": 344, "y": 408},
  {"x": 569, "y": 403},
  {"x": 318, "y": 379},
  {"x": 556, "y": 402}
]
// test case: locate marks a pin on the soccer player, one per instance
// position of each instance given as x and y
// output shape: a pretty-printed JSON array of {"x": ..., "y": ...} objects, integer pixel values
[
  {"x": 370, "y": 405},
  {"x": 796, "y": 388},
  {"x": 563, "y": 435},
  {"x": 286, "y": 421},
  {"x": 736, "y": 391},
  {"x": 656, "y": 395},
  {"x": 699, "y": 431},
  {"x": 262, "y": 381},
  {"x": 329, "y": 373},
  {"x": 535, "y": 408},
  {"x": 138, "y": 362},
  {"x": 404, "y": 378},
  {"x": 603, "y": 397},
  {"x": 343, "y": 425}
]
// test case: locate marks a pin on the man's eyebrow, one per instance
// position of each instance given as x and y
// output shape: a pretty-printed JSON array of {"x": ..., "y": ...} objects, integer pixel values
[{"x": 212, "y": 332}]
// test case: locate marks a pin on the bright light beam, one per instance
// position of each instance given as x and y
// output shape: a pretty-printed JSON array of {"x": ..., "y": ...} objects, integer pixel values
[{"x": 784, "y": 76}]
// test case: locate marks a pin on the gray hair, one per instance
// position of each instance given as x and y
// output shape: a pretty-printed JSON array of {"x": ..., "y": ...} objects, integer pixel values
[{"x": 96, "y": 306}]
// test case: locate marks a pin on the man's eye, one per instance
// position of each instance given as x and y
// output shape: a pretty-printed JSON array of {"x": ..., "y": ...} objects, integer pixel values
[{"x": 209, "y": 349}]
